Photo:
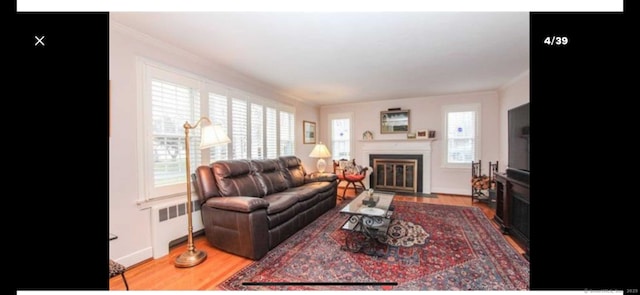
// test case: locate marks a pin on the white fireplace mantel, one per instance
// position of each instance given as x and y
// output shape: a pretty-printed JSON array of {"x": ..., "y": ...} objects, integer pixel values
[{"x": 400, "y": 147}]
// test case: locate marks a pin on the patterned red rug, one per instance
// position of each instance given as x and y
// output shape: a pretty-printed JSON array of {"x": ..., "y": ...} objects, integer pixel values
[{"x": 429, "y": 247}]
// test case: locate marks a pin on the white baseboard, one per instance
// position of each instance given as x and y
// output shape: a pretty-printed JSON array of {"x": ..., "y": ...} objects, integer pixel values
[
  {"x": 452, "y": 191},
  {"x": 135, "y": 257}
]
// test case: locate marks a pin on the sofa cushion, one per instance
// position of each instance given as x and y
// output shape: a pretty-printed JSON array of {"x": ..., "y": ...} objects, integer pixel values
[
  {"x": 270, "y": 175},
  {"x": 205, "y": 183},
  {"x": 236, "y": 178},
  {"x": 280, "y": 201},
  {"x": 293, "y": 170},
  {"x": 309, "y": 190},
  {"x": 239, "y": 204}
]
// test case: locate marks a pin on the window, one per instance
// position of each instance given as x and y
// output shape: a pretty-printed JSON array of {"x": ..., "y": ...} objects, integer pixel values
[
  {"x": 271, "y": 133},
  {"x": 257, "y": 131},
  {"x": 258, "y": 127},
  {"x": 286, "y": 133},
  {"x": 340, "y": 130},
  {"x": 462, "y": 135}
]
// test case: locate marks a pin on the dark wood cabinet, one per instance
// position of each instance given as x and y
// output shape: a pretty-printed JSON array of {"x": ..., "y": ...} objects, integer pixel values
[{"x": 512, "y": 209}]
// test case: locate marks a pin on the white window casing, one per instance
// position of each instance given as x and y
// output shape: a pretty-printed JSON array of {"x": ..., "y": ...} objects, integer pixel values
[
  {"x": 461, "y": 135},
  {"x": 169, "y": 97}
]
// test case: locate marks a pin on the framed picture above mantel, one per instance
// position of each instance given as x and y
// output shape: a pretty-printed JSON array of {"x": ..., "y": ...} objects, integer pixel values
[{"x": 395, "y": 121}]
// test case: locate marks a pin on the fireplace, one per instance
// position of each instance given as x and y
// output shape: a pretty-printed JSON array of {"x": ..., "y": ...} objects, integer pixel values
[
  {"x": 396, "y": 173},
  {"x": 395, "y": 150}
]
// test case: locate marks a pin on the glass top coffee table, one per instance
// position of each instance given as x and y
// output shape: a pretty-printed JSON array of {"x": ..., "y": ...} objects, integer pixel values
[{"x": 369, "y": 219}]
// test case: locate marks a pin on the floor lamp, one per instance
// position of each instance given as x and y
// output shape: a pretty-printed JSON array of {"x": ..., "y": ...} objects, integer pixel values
[
  {"x": 211, "y": 135},
  {"x": 320, "y": 151}
]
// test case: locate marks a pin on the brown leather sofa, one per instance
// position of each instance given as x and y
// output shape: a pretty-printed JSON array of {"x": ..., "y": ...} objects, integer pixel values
[{"x": 251, "y": 206}]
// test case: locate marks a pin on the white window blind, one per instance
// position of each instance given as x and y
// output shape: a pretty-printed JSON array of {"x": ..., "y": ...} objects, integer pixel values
[
  {"x": 257, "y": 131},
  {"x": 286, "y": 133},
  {"x": 172, "y": 105},
  {"x": 218, "y": 110},
  {"x": 258, "y": 127},
  {"x": 461, "y": 132},
  {"x": 271, "y": 133},
  {"x": 239, "y": 130}
]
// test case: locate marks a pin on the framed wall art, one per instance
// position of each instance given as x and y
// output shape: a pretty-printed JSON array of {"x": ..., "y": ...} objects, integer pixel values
[
  {"x": 309, "y": 132},
  {"x": 394, "y": 121}
]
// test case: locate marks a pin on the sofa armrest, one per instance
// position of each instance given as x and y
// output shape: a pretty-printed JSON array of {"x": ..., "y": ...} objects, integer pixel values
[
  {"x": 238, "y": 204},
  {"x": 317, "y": 177}
]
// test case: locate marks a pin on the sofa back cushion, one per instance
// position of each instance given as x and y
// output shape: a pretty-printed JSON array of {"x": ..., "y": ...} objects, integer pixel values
[
  {"x": 237, "y": 178},
  {"x": 205, "y": 183},
  {"x": 293, "y": 170},
  {"x": 270, "y": 175}
]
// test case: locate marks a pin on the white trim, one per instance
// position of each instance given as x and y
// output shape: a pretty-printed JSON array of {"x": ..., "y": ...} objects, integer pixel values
[
  {"x": 452, "y": 191},
  {"x": 402, "y": 146},
  {"x": 152, "y": 41},
  {"x": 513, "y": 81},
  {"x": 473, "y": 107},
  {"x": 135, "y": 257},
  {"x": 146, "y": 69},
  {"x": 335, "y": 116}
]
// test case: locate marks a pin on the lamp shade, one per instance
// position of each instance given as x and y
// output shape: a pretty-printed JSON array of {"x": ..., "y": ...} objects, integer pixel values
[
  {"x": 320, "y": 151},
  {"x": 212, "y": 135}
]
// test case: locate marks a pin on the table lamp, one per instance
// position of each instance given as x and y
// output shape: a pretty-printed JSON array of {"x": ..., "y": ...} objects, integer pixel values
[{"x": 320, "y": 151}]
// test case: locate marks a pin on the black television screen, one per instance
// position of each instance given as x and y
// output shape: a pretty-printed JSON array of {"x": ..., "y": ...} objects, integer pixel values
[{"x": 519, "y": 138}]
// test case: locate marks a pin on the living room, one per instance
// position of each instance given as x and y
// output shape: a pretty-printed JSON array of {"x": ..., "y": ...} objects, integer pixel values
[
  {"x": 135, "y": 50},
  {"x": 79, "y": 73},
  {"x": 131, "y": 51}
]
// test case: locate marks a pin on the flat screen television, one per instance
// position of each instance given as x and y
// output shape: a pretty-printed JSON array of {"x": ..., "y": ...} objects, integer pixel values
[{"x": 518, "y": 141}]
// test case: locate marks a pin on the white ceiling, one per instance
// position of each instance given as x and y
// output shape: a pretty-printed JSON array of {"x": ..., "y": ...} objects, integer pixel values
[{"x": 331, "y": 58}]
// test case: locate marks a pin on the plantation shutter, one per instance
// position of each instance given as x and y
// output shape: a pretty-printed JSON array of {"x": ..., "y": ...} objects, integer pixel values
[
  {"x": 239, "y": 130},
  {"x": 257, "y": 131},
  {"x": 272, "y": 133},
  {"x": 171, "y": 106},
  {"x": 286, "y": 134},
  {"x": 218, "y": 113}
]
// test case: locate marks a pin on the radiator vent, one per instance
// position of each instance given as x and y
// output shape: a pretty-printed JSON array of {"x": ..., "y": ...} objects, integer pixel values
[
  {"x": 177, "y": 210},
  {"x": 169, "y": 222}
]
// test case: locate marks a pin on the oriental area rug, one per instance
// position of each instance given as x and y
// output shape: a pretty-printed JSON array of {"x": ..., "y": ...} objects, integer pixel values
[{"x": 428, "y": 247}]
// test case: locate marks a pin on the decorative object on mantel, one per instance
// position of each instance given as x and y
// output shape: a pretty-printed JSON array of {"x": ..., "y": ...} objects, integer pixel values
[
  {"x": 367, "y": 135},
  {"x": 421, "y": 134},
  {"x": 411, "y": 135},
  {"x": 432, "y": 134},
  {"x": 394, "y": 121}
]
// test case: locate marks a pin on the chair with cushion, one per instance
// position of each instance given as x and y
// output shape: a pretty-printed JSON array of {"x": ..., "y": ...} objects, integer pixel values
[{"x": 349, "y": 171}]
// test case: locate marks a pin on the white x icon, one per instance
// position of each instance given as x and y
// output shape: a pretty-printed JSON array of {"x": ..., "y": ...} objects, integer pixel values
[{"x": 39, "y": 41}]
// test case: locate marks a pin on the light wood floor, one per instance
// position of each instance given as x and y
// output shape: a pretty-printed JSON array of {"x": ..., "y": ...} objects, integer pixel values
[{"x": 161, "y": 274}]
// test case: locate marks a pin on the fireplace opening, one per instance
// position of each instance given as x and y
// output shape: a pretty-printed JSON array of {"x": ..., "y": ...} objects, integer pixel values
[{"x": 396, "y": 173}]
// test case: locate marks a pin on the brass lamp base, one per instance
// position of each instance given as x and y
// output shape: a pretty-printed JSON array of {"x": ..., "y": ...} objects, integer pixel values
[{"x": 190, "y": 258}]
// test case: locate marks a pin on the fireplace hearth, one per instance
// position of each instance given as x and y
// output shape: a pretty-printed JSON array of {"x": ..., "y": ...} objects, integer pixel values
[
  {"x": 396, "y": 173},
  {"x": 399, "y": 149}
]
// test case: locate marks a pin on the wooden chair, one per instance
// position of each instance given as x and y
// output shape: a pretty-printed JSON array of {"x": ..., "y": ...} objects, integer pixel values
[{"x": 349, "y": 171}]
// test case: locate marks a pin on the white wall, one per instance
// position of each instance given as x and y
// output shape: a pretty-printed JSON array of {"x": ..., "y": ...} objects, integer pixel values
[
  {"x": 130, "y": 222},
  {"x": 426, "y": 113},
  {"x": 512, "y": 94}
]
